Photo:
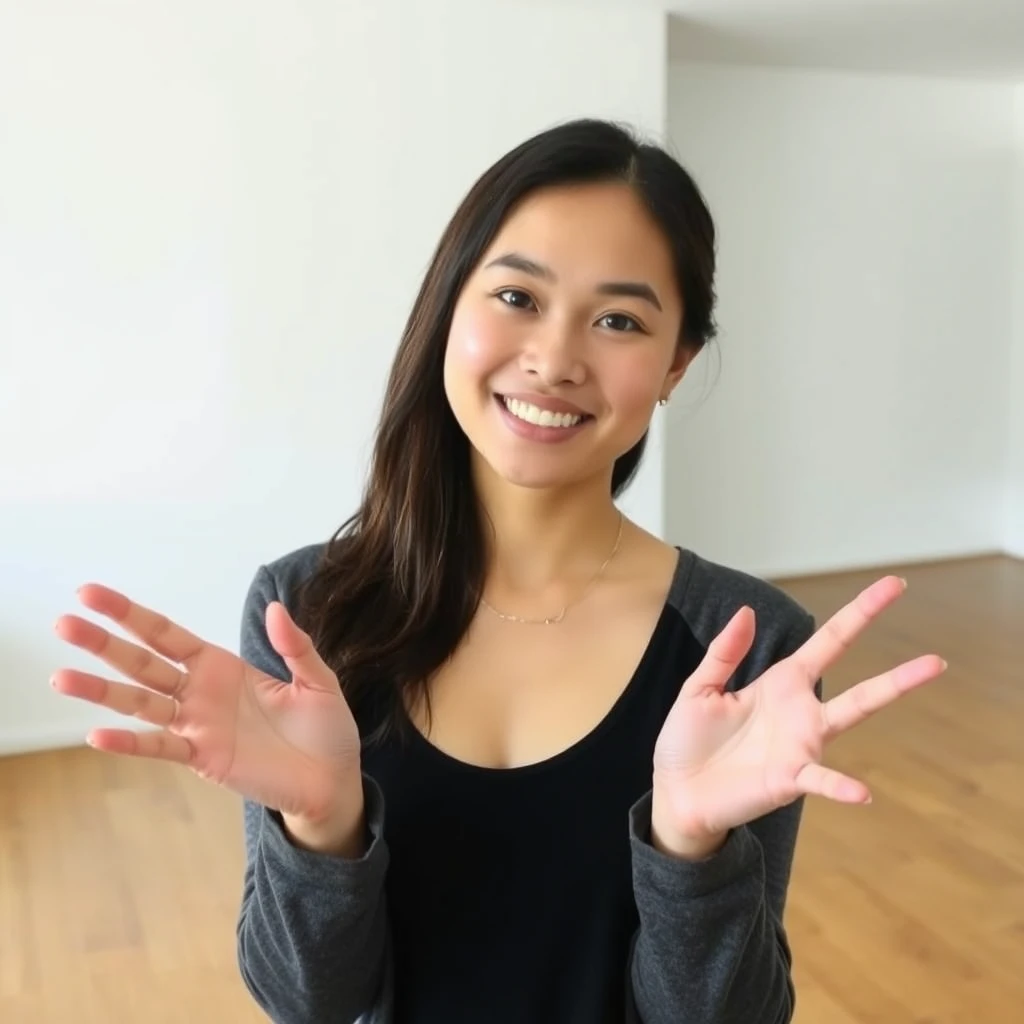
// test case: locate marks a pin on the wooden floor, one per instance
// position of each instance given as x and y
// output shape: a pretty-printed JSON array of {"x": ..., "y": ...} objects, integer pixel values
[
  {"x": 119, "y": 880},
  {"x": 912, "y": 909}
]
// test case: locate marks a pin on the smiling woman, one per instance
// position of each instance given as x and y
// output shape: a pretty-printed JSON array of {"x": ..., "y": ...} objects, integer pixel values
[
  {"x": 575, "y": 309},
  {"x": 505, "y": 755}
]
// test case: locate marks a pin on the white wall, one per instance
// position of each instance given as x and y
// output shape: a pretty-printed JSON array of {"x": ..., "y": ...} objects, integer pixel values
[
  {"x": 213, "y": 219},
  {"x": 1015, "y": 396},
  {"x": 860, "y": 413}
]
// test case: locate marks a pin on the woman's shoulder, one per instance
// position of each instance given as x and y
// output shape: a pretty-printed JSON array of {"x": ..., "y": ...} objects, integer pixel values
[
  {"x": 707, "y": 594},
  {"x": 294, "y": 567},
  {"x": 280, "y": 578}
]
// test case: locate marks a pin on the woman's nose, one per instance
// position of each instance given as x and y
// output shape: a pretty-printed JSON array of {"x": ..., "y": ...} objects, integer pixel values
[{"x": 554, "y": 353}]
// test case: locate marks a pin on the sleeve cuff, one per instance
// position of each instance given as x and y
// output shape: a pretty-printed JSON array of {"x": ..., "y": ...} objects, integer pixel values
[
  {"x": 666, "y": 877},
  {"x": 279, "y": 849}
]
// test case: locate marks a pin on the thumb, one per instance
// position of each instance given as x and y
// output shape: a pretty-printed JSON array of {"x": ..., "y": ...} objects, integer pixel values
[
  {"x": 296, "y": 648},
  {"x": 724, "y": 655}
]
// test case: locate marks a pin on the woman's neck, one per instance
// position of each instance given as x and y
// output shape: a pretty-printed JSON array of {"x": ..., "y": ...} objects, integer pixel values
[{"x": 543, "y": 544}]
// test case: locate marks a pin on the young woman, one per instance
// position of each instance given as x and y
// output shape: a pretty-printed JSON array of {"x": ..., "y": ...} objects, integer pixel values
[{"x": 505, "y": 755}]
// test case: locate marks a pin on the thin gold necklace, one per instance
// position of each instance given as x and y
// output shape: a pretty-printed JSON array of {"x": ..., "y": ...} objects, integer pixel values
[{"x": 554, "y": 620}]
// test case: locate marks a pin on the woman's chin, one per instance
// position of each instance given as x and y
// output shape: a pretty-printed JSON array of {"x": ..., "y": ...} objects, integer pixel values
[{"x": 535, "y": 473}]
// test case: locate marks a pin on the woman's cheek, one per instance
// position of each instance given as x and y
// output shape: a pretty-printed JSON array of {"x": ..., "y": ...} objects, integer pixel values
[
  {"x": 633, "y": 386},
  {"x": 475, "y": 342}
]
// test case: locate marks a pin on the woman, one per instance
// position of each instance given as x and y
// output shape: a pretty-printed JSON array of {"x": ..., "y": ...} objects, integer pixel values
[{"x": 505, "y": 755}]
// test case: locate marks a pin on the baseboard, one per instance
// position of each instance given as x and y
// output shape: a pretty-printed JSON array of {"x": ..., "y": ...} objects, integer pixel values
[
  {"x": 889, "y": 567},
  {"x": 15, "y": 741},
  {"x": 29, "y": 741},
  {"x": 33, "y": 740}
]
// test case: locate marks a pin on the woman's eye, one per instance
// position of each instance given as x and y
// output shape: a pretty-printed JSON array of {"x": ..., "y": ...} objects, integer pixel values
[
  {"x": 619, "y": 322},
  {"x": 516, "y": 298}
]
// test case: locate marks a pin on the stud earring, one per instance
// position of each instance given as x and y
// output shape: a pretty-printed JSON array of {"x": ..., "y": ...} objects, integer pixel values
[{"x": 662, "y": 401}]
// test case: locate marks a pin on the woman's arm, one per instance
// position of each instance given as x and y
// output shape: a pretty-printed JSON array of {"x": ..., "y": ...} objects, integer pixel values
[
  {"x": 711, "y": 947},
  {"x": 313, "y": 930}
]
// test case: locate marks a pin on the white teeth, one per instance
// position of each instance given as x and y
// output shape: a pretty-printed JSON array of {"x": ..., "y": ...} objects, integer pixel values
[{"x": 541, "y": 417}]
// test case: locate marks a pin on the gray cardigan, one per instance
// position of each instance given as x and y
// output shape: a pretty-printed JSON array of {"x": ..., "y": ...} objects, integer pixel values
[{"x": 313, "y": 932}]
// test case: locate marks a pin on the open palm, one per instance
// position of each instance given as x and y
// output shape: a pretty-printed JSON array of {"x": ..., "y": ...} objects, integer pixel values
[
  {"x": 724, "y": 758},
  {"x": 284, "y": 745}
]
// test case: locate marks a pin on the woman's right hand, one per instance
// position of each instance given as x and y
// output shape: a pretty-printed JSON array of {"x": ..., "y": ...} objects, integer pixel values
[{"x": 293, "y": 747}]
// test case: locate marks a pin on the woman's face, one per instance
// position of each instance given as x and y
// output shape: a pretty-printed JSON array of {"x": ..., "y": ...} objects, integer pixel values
[{"x": 565, "y": 336}]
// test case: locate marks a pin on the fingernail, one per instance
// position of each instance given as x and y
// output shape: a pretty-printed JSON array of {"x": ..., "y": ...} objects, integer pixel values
[{"x": 903, "y": 582}]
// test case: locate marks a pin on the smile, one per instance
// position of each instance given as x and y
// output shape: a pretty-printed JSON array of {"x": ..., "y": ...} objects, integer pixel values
[{"x": 540, "y": 417}]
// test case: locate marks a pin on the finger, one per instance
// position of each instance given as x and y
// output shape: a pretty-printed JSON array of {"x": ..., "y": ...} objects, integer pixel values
[
  {"x": 153, "y": 629},
  {"x": 834, "y": 638},
  {"x": 817, "y": 780},
  {"x": 853, "y": 706},
  {"x": 135, "y": 662},
  {"x": 140, "y": 703},
  {"x": 724, "y": 655},
  {"x": 297, "y": 649},
  {"x": 161, "y": 746}
]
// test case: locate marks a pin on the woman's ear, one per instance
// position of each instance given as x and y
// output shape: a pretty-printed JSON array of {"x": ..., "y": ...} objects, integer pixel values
[{"x": 680, "y": 364}]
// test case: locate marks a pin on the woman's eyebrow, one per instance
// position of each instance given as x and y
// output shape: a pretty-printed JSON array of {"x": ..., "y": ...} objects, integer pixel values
[{"x": 632, "y": 289}]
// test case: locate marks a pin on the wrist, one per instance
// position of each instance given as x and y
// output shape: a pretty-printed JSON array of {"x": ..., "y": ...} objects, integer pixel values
[
  {"x": 682, "y": 844},
  {"x": 343, "y": 838},
  {"x": 339, "y": 832}
]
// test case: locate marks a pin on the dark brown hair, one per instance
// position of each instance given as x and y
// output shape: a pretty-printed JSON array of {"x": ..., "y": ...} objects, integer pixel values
[{"x": 401, "y": 579}]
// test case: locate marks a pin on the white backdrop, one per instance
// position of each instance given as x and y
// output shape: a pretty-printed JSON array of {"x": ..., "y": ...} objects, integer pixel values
[
  {"x": 1015, "y": 379},
  {"x": 857, "y": 410},
  {"x": 213, "y": 221},
  {"x": 214, "y": 218}
]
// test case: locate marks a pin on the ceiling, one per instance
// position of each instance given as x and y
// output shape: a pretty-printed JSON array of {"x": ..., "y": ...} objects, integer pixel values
[{"x": 949, "y": 38}]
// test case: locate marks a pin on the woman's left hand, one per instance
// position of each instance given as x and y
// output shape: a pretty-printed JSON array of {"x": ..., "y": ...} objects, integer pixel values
[{"x": 726, "y": 758}]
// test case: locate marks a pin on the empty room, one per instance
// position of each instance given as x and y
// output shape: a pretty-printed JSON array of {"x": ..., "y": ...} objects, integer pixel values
[{"x": 693, "y": 330}]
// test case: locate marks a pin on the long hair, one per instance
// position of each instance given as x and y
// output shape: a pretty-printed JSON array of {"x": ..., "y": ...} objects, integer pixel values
[{"x": 399, "y": 582}]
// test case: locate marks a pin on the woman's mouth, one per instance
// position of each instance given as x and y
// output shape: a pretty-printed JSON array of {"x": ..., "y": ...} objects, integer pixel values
[
  {"x": 529, "y": 413},
  {"x": 535, "y": 423}
]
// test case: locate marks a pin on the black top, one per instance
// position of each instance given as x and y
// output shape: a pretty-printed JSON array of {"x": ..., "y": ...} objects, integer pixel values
[{"x": 531, "y": 894}]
